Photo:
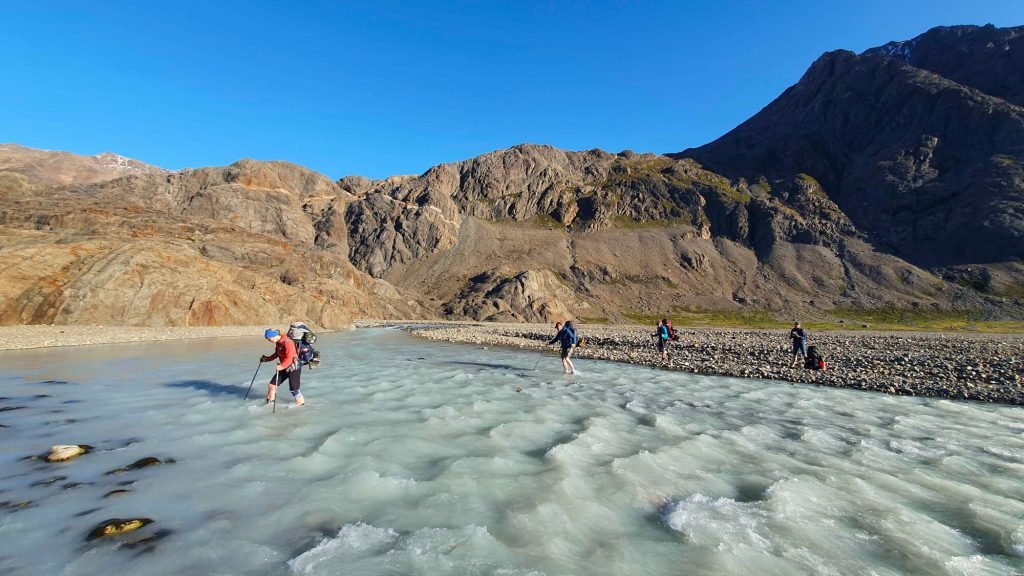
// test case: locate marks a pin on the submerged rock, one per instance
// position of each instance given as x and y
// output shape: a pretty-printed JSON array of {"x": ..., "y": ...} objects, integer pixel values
[
  {"x": 138, "y": 464},
  {"x": 64, "y": 452},
  {"x": 48, "y": 481},
  {"x": 16, "y": 504},
  {"x": 117, "y": 526},
  {"x": 118, "y": 492},
  {"x": 146, "y": 542}
]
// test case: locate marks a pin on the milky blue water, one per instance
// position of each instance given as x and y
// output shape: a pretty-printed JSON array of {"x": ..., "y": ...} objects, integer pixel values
[{"x": 413, "y": 457}]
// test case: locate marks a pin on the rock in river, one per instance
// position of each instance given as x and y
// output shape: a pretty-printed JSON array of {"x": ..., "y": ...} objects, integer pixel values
[
  {"x": 117, "y": 526},
  {"x": 64, "y": 452}
]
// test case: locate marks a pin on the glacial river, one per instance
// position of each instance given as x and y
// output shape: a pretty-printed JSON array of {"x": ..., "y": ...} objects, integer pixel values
[{"x": 413, "y": 457}]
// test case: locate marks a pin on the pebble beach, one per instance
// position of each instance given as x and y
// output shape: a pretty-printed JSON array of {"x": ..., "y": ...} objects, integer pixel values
[{"x": 965, "y": 366}]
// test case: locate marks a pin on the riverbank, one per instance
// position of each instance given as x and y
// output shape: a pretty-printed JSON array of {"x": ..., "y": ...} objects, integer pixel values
[
  {"x": 43, "y": 336},
  {"x": 985, "y": 367}
]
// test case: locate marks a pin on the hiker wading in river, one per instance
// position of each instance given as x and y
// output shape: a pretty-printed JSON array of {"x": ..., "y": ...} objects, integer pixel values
[
  {"x": 288, "y": 367},
  {"x": 566, "y": 336}
]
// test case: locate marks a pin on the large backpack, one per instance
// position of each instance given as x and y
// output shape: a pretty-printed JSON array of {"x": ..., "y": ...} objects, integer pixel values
[
  {"x": 814, "y": 360},
  {"x": 304, "y": 338},
  {"x": 569, "y": 335}
]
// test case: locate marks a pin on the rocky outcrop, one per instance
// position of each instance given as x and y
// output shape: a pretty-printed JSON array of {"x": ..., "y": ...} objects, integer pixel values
[
  {"x": 501, "y": 296},
  {"x": 386, "y": 232},
  {"x": 248, "y": 243}
]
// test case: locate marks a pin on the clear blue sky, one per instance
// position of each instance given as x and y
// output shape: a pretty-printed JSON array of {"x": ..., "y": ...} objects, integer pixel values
[{"x": 380, "y": 88}]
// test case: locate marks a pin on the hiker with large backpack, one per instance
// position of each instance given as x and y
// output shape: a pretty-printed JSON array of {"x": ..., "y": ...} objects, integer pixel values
[
  {"x": 288, "y": 366},
  {"x": 566, "y": 336},
  {"x": 664, "y": 334}
]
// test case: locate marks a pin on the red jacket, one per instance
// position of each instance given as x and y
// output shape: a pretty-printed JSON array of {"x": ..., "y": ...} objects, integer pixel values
[{"x": 285, "y": 352}]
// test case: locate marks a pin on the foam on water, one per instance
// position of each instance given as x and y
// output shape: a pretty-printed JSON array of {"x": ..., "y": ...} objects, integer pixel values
[{"x": 420, "y": 458}]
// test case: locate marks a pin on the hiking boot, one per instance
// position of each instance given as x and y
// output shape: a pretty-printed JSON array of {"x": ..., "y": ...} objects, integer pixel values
[{"x": 299, "y": 401}]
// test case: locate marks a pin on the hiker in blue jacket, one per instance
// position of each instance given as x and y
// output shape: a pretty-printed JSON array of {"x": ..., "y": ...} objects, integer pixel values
[
  {"x": 663, "y": 334},
  {"x": 567, "y": 338}
]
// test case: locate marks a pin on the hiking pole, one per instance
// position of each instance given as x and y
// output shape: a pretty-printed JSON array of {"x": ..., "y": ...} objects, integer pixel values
[
  {"x": 277, "y": 384},
  {"x": 253, "y": 380},
  {"x": 539, "y": 358}
]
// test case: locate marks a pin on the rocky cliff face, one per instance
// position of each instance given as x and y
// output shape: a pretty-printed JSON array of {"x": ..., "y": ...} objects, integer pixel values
[{"x": 248, "y": 243}]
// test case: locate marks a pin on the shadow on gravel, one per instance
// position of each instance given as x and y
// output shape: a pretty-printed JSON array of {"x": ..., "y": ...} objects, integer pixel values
[{"x": 207, "y": 386}]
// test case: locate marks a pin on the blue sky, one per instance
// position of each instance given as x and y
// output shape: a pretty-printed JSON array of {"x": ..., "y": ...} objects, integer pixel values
[{"x": 382, "y": 88}]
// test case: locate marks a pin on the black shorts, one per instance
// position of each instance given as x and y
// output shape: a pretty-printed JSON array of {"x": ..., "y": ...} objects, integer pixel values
[
  {"x": 294, "y": 377},
  {"x": 662, "y": 345},
  {"x": 567, "y": 351}
]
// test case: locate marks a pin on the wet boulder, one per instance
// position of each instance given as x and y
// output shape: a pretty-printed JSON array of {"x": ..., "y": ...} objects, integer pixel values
[
  {"x": 117, "y": 526},
  {"x": 137, "y": 465},
  {"x": 65, "y": 452}
]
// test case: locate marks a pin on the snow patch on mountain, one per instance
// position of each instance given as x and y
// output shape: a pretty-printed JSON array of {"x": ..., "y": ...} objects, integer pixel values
[
  {"x": 118, "y": 162},
  {"x": 902, "y": 49}
]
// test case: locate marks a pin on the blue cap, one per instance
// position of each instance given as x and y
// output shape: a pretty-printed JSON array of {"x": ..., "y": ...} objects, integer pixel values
[{"x": 270, "y": 333}]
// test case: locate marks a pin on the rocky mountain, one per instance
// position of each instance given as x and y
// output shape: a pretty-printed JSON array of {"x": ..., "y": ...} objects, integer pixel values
[
  {"x": 534, "y": 233},
  {"x": 920, "y": 144},
  {"x": 887, "y": 179}
]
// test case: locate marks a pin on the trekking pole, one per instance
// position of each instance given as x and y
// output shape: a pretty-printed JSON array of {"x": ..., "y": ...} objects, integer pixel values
[
  {"x": 539, "y": 358},
  {"x": 253, "y": 380},
  {"x": 277, "y": 384}
]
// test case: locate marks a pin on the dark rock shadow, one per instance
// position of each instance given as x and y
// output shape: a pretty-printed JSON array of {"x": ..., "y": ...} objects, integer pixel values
[{"x": 209, "y": 387}]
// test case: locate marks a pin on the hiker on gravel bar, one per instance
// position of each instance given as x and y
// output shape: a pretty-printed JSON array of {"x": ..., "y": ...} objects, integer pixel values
[
  {"x": 662, "y": 334},
  {"x": 799, "y": 340}
]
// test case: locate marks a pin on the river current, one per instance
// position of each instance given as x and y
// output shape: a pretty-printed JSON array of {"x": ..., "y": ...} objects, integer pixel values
[{"x": 412, "y": 457}]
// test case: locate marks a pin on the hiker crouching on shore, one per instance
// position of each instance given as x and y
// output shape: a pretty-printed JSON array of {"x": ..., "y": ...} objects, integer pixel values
[{"x": 288, "y": 366}]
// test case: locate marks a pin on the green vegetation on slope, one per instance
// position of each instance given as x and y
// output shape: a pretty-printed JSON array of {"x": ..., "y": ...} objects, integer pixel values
[{"x": 895, "y": 319}]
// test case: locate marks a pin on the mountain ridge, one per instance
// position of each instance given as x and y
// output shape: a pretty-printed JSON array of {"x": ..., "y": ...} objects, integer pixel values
[{"x": 871, "y": 183}]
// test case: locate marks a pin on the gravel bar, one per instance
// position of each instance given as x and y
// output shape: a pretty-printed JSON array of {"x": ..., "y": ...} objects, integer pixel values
[{"x": 966, "y": 366}]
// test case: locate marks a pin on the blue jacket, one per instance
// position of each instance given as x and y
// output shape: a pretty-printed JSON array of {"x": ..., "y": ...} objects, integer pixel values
[{"x": 566, "y": 336}]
